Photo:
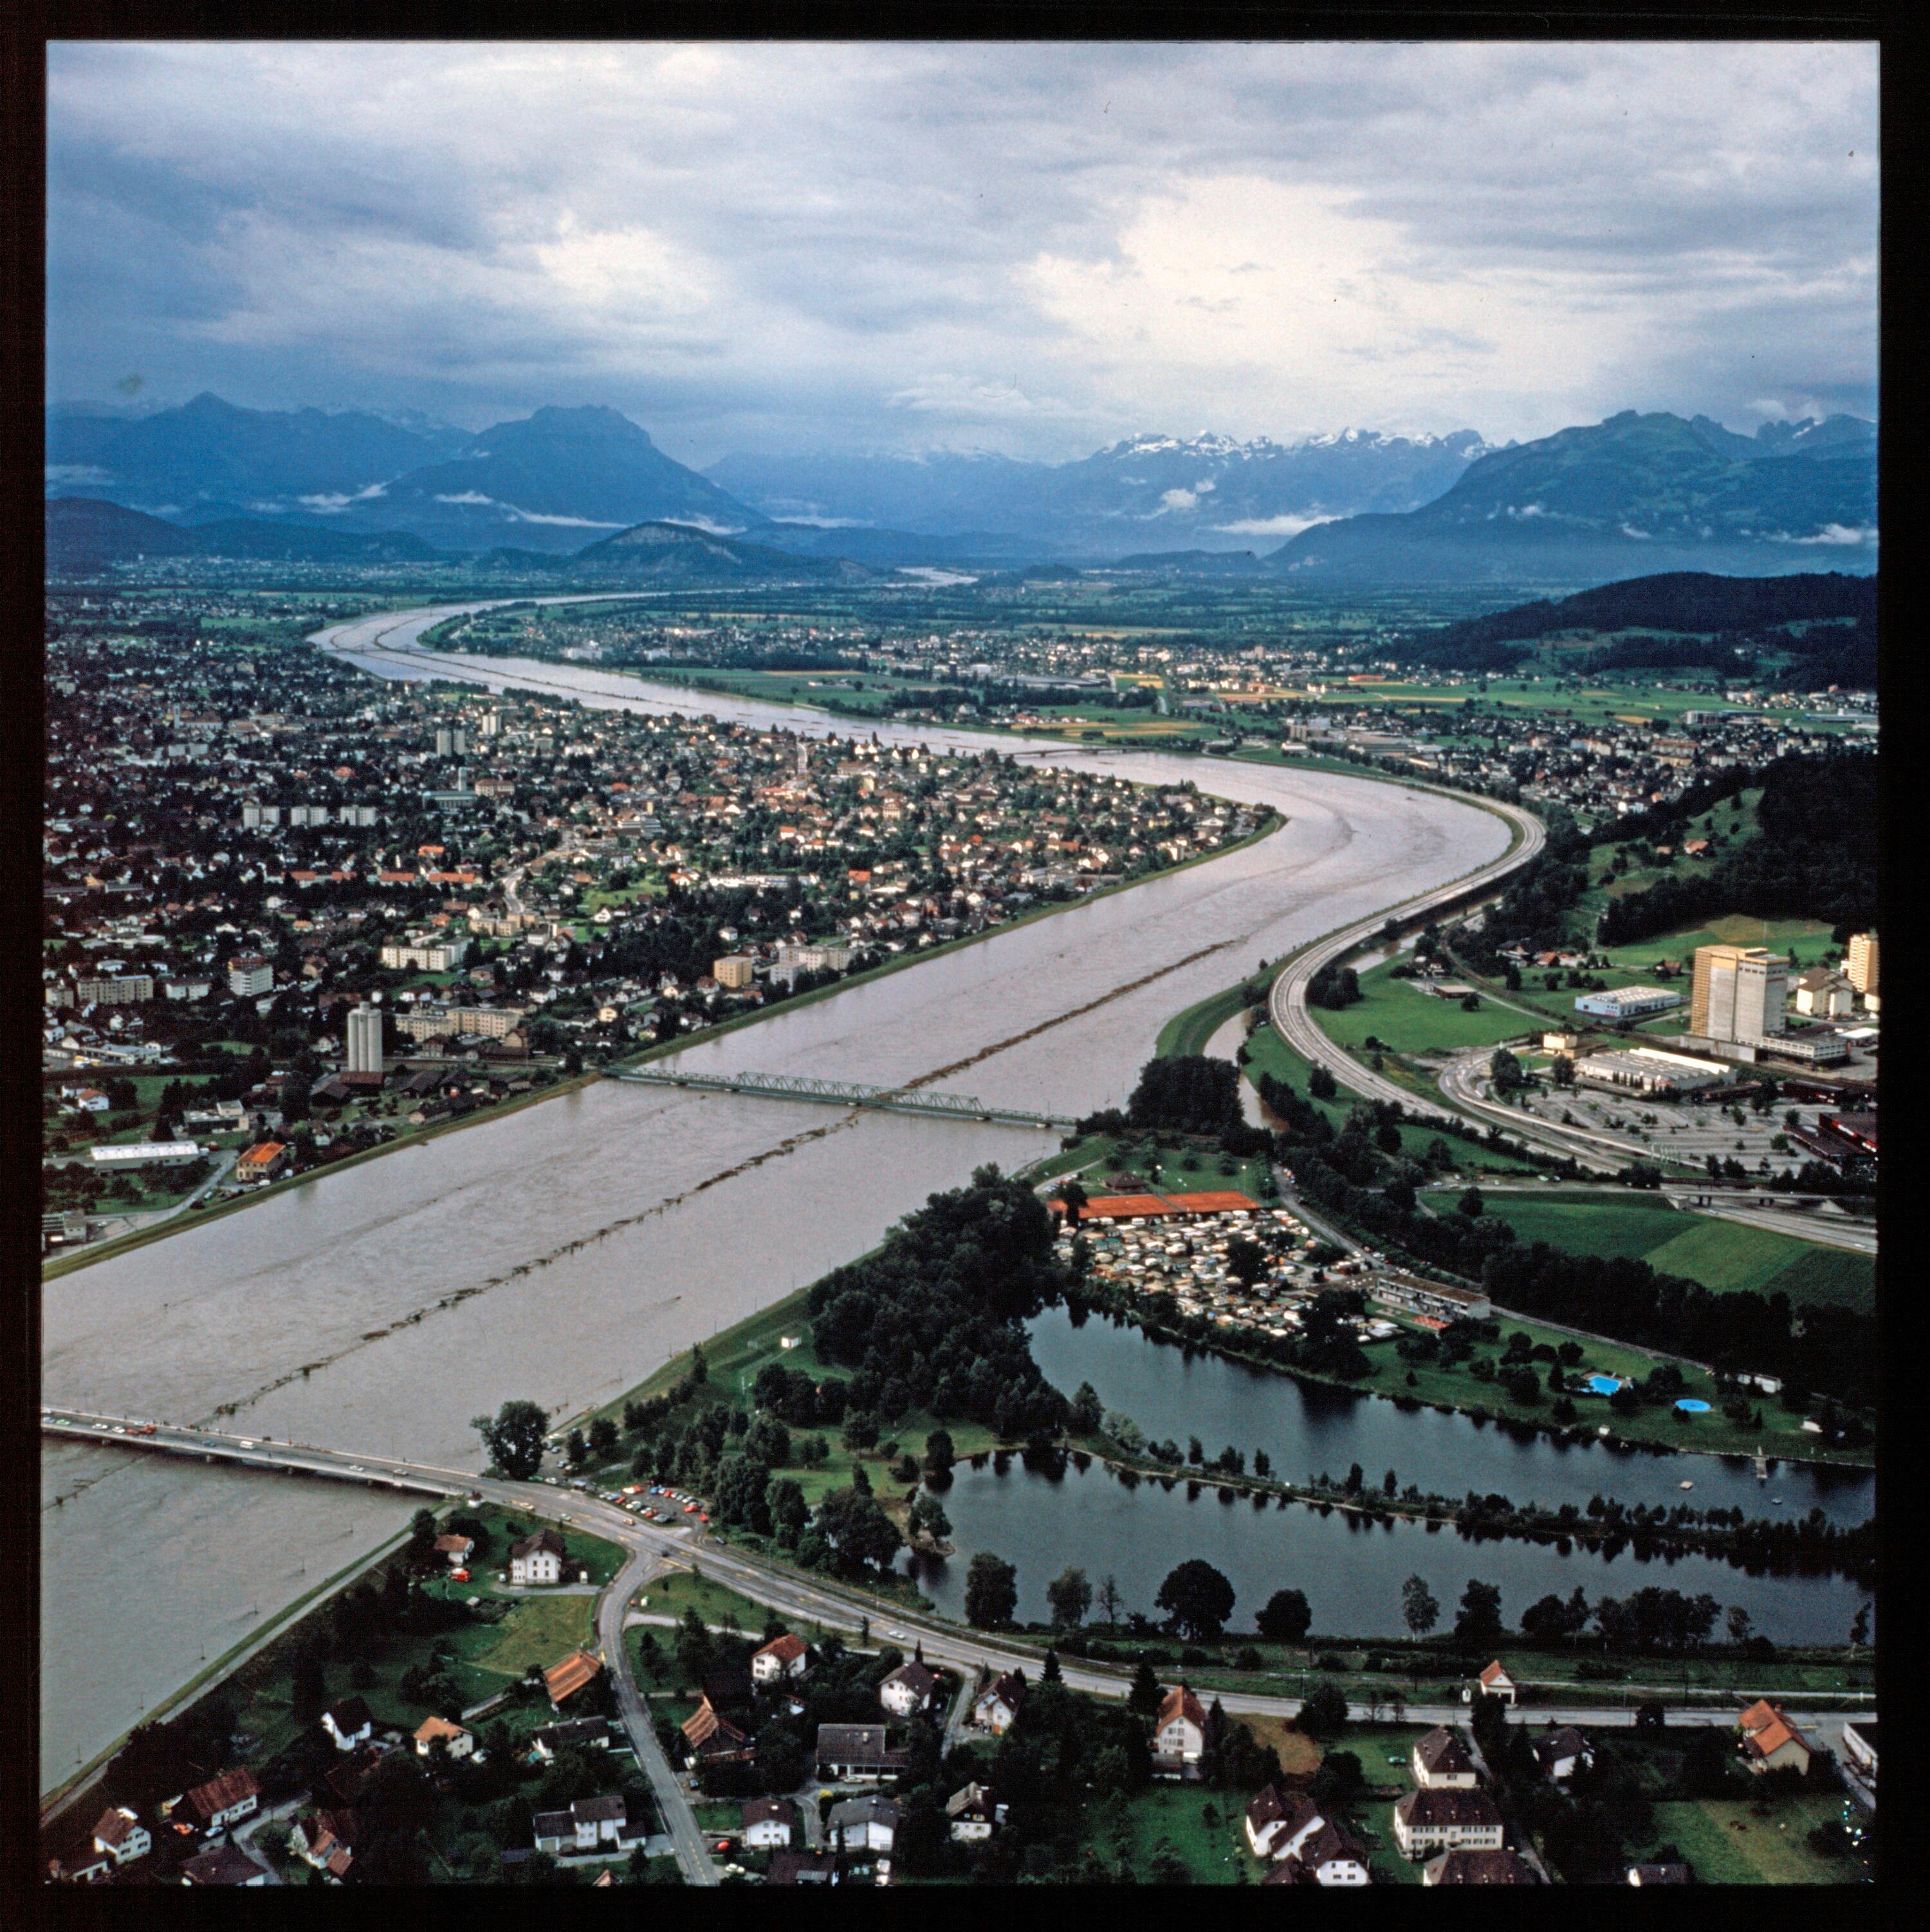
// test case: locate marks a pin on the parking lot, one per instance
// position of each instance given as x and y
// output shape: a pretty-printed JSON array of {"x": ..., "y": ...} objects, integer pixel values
[{"x": 1680, "y": 1129}]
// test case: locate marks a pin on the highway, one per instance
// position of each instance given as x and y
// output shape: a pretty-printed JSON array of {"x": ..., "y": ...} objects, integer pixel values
[
  {"x": 1857, "y": 1237},
  {"x": 1286, "y": 1003}
]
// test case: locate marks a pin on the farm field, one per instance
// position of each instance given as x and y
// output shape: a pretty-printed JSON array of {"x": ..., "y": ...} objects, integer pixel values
[{"x": 1724, "y": 1256}]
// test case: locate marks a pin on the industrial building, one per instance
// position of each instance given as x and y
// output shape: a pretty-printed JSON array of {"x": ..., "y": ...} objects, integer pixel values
[
  {"x": 1643, "y": 1070},
  {"x": 1627, "y": 1003}
]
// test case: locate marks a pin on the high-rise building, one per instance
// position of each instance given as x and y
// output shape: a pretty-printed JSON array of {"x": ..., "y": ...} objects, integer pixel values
[
  {"x": 734, "y": 970},
  {"x": 1862, "y": 965},
  {"x": 451, "y": 741},
  {"x": 249, "y": 974},
  {"x": 1738, "y": 993},
  {"x": 365, "y": 1039},
  {"x": 492, "y": 724}
]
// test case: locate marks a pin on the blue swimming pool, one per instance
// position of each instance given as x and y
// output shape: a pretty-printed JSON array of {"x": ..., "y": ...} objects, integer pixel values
[
  {"x": 1600, "y": 1385},
  {"x": 1689, "y": 1405}
]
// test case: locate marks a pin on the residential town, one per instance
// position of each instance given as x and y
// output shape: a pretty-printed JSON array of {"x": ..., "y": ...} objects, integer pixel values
[{"x": 338, "y": 911}]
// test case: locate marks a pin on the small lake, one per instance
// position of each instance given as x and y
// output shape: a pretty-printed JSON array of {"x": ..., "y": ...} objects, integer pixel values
[
  {"x": 1351, "y": 1571},
  {"x": 1308, "y": 1428}
]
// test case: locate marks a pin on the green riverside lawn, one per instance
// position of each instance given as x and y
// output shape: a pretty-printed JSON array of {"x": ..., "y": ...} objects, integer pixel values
[
  {"x": 1267, "y": 1053},
  {"x": 1398, "y": 1014}
]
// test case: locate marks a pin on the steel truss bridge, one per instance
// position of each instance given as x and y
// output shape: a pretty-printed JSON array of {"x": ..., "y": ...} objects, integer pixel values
[{"x": 846, "y": 1094}]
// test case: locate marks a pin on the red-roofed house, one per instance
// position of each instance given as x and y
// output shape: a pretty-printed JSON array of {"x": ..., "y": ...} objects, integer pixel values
[
  {"x": 783, "y": 1656},
  {"x": 1770, "y": 1742},
  {"x": 121, "y": 1835},
  {"x": 1496, "y": 1682},
  {"x": 1179, "y": 1731}
]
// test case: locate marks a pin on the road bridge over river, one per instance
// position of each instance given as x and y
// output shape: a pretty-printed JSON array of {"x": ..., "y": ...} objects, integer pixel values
[{"x": 845, "y": 1093}]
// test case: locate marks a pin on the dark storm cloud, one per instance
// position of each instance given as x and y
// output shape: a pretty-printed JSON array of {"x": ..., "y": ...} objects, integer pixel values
[{"x": 1035, "y": 248}]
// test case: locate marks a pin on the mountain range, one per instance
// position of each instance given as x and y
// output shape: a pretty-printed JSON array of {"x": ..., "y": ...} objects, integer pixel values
[
  {"x": 1148, "y": 493},
  {"x": 1633, "y": 495},
  {"x": 1636, "y": 495}
]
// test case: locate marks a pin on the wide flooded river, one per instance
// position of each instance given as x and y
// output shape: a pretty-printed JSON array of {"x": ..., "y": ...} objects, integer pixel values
[{"x": 562, "y": 1252}]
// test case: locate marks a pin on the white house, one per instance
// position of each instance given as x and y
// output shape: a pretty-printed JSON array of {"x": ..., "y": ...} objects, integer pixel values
[
  {"x": 1446, "y": 1821},
  {"x": 768, "y": 1824},
  {"x": 1496, "y": 1682},
  {"x": 998, "y": 1704},
  {"x": 322, "y": 1841},
  {"x": 348, "y": 1724},
  {"x": 869, "y": 1824},
  {"x": 224, "y": 1800},
  {"x": 432, "y": 1731},
  {"x": 1465, "y": 1868},
  {"x": 538, "y": 1558},
  {"x": 591, "y": 1825},
  {"x": 907, "y": 1690},
  {"x": 783, "y": 1656},
  {"x": 1440, "y": 1762},
  {"x": 121, "y": 1835},
  {"x": 849, "y": 1752},
  {"x": 1329, "y": 1856},
  {"x": 1562, "y": 1752},
  {"x": 1179, "y": 1731},
  {"x": 974, "y": 1815},
  {"x": 1280, "y": 1822}
]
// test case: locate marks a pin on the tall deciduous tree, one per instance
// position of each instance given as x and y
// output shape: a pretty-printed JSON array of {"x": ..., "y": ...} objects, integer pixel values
[
  {"x": 1197, "y": 1598},
  {"x": 1477, "y": 1625},
  {"x": 1419, "y": 1608},
  {"x": 1070, "y": 1596},
  {"x": 992, "y": 1591},
  {"x": 1286, "y": 1618},
  {"x": 514, "y": 1438}
]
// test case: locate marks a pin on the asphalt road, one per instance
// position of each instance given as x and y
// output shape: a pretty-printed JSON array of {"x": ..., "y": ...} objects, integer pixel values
[
  {"x": 1287, "y": 1002},
  {"x": 692, "y": 1856}
]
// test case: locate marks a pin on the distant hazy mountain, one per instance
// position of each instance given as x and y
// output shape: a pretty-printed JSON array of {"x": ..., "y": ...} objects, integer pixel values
[
  {"x": 84, "y": 533},
  {"x": 1149, "y": 493},
  {"x": 662, "y": 553},
  {"x": 209, "y": 457},
  {"x": 551, "y": 481},
  {"x": 1633, "y": 495},
  {"x": 547, "y": 482}
]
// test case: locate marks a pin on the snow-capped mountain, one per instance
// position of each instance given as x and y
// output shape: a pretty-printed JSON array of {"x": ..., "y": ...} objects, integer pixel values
[{"x": 1148, "y": 493}]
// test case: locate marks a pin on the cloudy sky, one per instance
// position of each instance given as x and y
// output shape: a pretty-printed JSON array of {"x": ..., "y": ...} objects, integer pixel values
[{"x": 1032, "y": 249}]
